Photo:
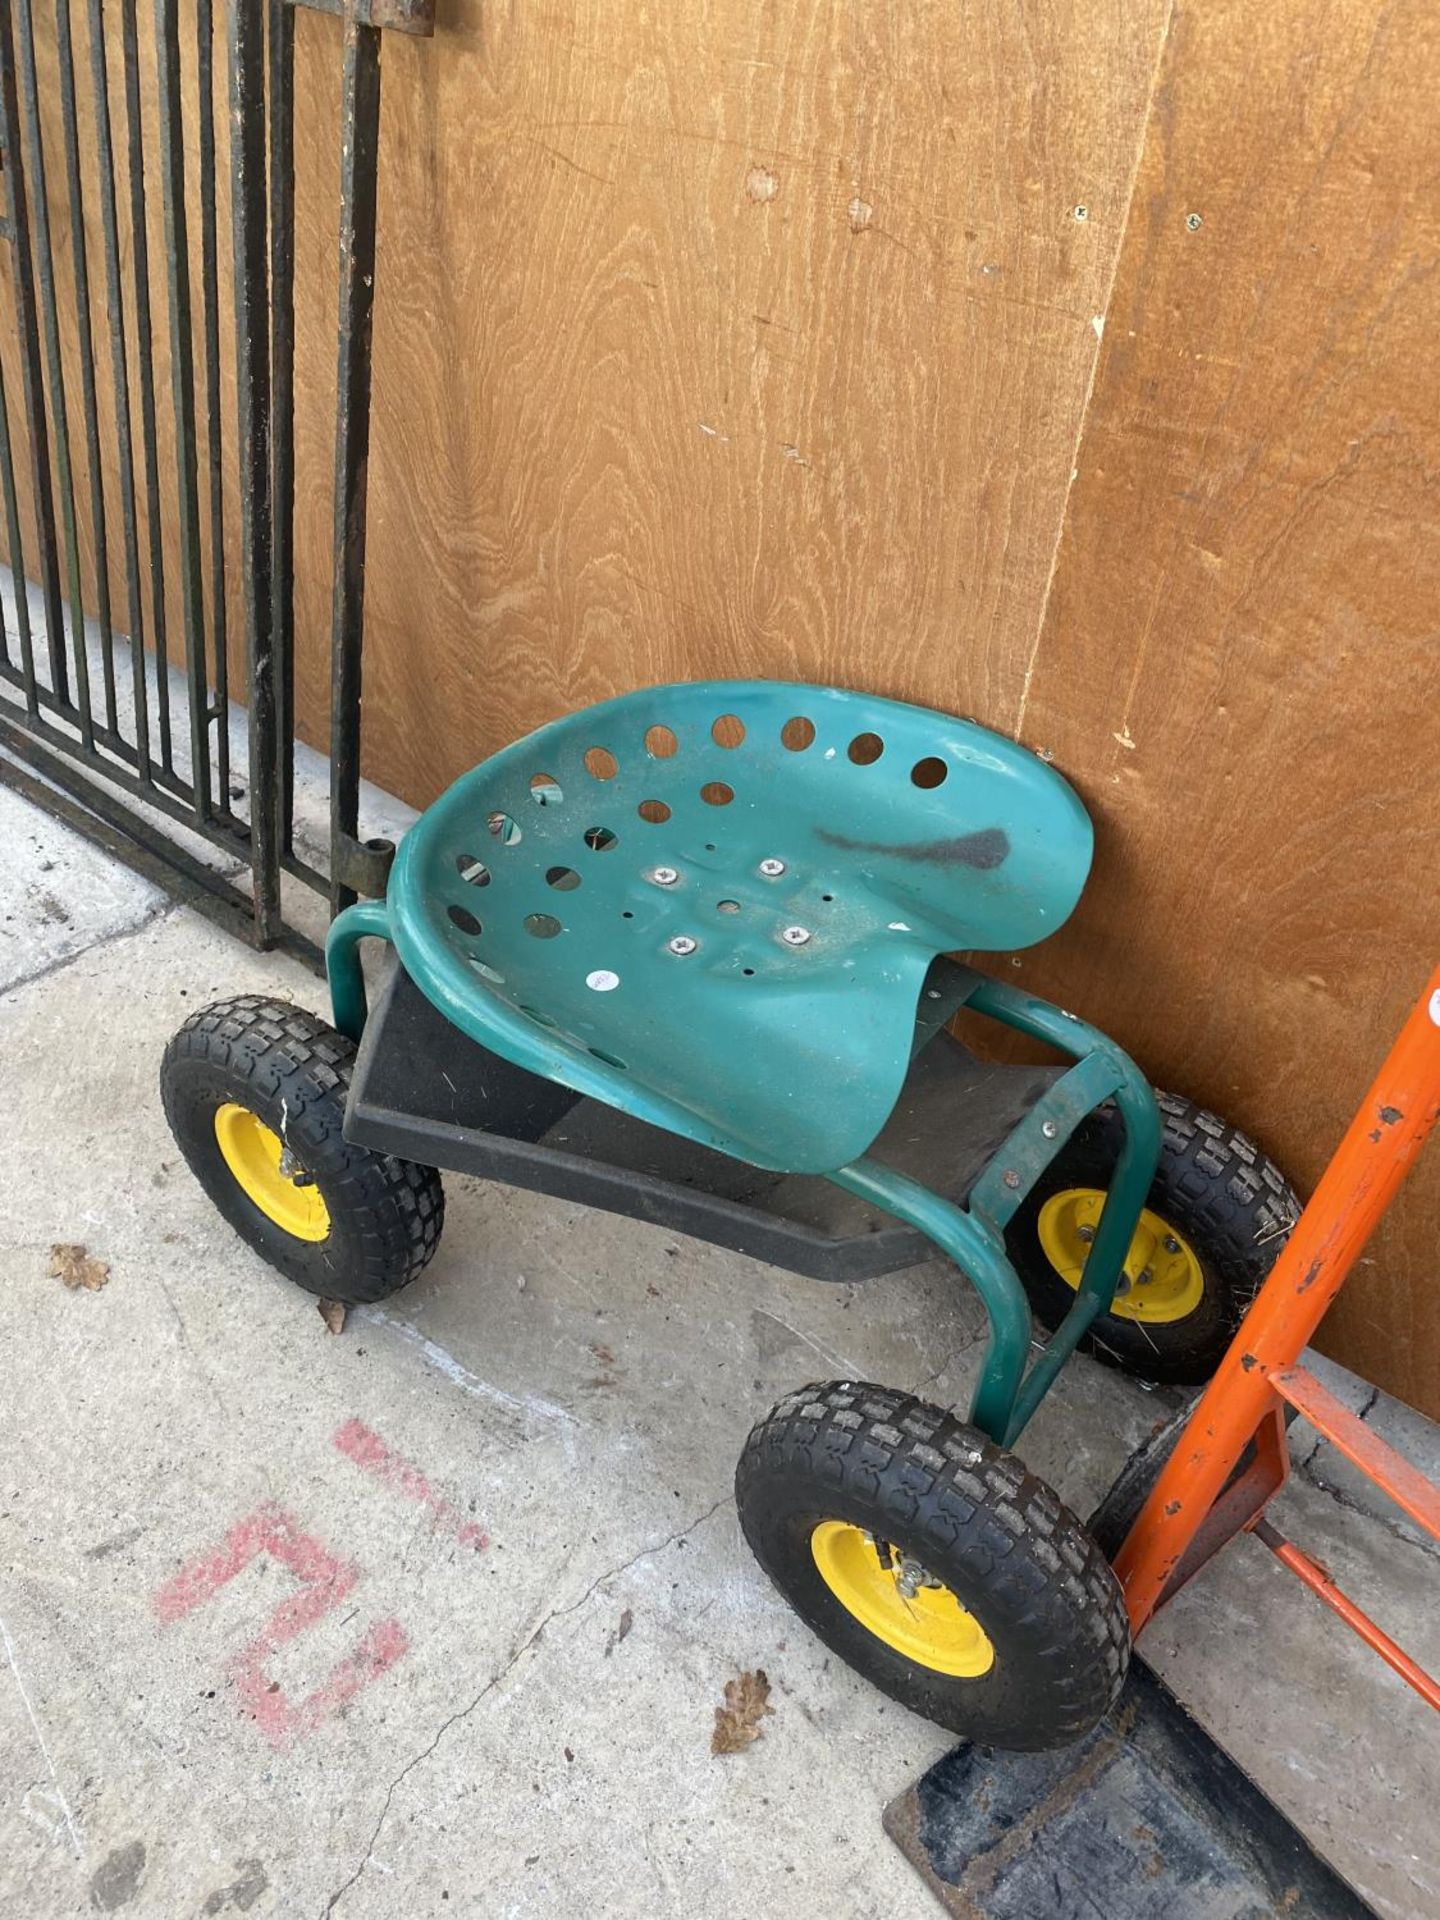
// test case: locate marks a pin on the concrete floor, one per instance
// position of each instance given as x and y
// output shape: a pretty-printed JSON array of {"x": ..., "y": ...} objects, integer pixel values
[{"x": 470, "y": 1731}]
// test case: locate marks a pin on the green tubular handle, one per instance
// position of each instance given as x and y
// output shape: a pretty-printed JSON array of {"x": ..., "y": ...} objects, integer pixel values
[
  {"x": 1005, "y": 1395},
  {"x": 1134, "y": 1172},
  {"x": 366, "y": 920},
  {"x": 979, "y": 1252}
]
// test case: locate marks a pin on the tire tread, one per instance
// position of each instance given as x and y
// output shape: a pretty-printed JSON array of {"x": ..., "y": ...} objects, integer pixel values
[
  {"x": 945, "y": 1482},
  {"x": 281, "y": 1054}
]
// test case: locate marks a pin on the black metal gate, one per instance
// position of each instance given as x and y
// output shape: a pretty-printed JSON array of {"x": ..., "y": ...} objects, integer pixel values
[{"x": 108, "y": 715}]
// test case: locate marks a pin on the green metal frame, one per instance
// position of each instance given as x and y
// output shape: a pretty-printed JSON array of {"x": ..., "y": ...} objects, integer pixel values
[
  {"x": 366, "y": 920},
  {"x": 1006, "y": 1395},
  {"x": 974, "y": 1235}
]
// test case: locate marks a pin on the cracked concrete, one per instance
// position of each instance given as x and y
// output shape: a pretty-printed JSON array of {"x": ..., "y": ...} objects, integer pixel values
[
  {"x": 242, "y": 1673},
  {"x": 503, "y": 1673}
]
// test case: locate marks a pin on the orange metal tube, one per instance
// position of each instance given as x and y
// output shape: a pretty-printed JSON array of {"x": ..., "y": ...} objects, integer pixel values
[
  {"x": 1320, "y": 1583},
  {"x": 1378, "y": 1150},
  {"x": 1376, "y": 1459}
]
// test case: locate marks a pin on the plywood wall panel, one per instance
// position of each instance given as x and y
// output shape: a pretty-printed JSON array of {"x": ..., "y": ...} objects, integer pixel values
[
  {"x": 1239, "y": 658},
  {"x": 720, "y": 338}
]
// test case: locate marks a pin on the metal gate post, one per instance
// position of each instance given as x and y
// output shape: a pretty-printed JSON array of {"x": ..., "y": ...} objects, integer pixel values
[
  {"x": 252, "y": 358},
  {"x": 355, "y": 868},
  {"x": 359, "y": 149}
]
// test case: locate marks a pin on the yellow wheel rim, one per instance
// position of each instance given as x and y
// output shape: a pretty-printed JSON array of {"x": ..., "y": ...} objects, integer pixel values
[
  {"x": 930, "y": 1626},
  {"x": 253, "y": 1152},
  {"x": 1163, "y": 1280}
]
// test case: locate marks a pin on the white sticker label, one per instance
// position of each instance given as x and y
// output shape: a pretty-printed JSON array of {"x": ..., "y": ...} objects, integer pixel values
[
  {"x": 1435, "y": 1006},
  {"x": 602, "y": 980}
]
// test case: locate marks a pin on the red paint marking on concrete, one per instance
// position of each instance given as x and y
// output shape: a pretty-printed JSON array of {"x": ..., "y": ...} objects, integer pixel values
[
  {"x": 325, "y": 1579},
  {"x": 269, "y": 1530},
  {"x": 284, "y": 1721},
  {"x": 375, "y": 1456}
]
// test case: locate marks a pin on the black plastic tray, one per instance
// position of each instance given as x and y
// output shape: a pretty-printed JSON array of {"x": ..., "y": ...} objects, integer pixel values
[{"x": 424, "y": 1091}]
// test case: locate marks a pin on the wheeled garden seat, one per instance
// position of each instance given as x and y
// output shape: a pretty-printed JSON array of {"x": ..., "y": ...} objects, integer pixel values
[
  {"x": 684, "y": 956},
  {"x": 716, "y": 907}
]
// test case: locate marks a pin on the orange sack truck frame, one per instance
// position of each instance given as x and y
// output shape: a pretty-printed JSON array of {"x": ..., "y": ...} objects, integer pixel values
[{"x": 1231, "y": 1456}]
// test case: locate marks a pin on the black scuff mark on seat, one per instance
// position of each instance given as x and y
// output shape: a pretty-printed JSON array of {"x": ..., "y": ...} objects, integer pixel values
[{"x": 982, "y": 851}]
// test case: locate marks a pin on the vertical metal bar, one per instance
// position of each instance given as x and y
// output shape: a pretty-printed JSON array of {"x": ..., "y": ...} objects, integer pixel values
[
  {"x": 282, "y": 358},
  {"x": 115, "y": 302},
  {"x": 65, "y": 54},
  {"x": 252, "y": 359},
  {"x": 1378, "y": 1149},
  {"x": 17, "y": 561},
  {"x": 145, "y": 368},
  {"x": 205, "y": 67},
  {"x": 359, "y": 153},
  {"x": 45, "y": 270},
  {"x": 182, "y": 379},
  {"x": 32, "y": 382}
]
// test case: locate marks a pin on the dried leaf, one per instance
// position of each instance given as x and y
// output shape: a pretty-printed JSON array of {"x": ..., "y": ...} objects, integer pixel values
[
  {"x": 737, "y": 1723},
  {"x": 332, "y": 1312},
  {"x": 618, "y": 1633},
  {"x": 77, "y": 1268}
]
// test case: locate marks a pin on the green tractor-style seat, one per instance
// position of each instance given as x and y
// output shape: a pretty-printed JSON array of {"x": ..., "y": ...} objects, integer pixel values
[{"x": 714, "y": 906}]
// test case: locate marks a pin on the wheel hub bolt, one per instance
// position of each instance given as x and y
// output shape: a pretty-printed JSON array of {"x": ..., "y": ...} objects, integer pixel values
[
  {"x": 909, "y": 1579},
  {"x": 795, "y": 936},
  {"x": 1146, "y": 1277},
  {"x": 1172, "y": 1245},
  {"x": 772, "y": 869},
  {"x": 1087, "y": 1234},
  {"x": 682, "y": 944},
  {"x": 665, "y": 876}
]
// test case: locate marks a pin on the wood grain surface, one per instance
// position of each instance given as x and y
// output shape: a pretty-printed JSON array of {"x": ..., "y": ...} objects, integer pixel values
[
  {"x": 721, "y": 338},
  {"x": 1238, "y": 664}
]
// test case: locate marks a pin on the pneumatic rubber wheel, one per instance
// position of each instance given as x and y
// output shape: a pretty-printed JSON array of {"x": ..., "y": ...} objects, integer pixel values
[
  {"x": 934, "y": 1564},
  {"x": 255, "y": 1091},
  {"x": 1121, "y": 1505},
  {"x": 1216, "y": 1218}
]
